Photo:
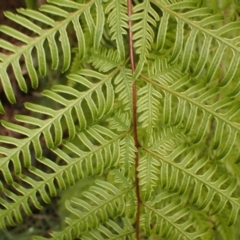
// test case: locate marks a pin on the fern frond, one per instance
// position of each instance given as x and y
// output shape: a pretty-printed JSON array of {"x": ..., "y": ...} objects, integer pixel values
[
  {"x": 127, "y": 155},
  {"x": 105, "y": 59},
  {"x": 123, "y": 180},
  {"x": 102, "y": 104},
  {"x": 123, "y": 88},
  {"x": 143, "y": 33},
  {"x": 119, "y": 178},
  {"x": 120, "y": 121},
  {"x": 117, "y": 22},
  {"x": 171, "y": 221},
  {"x": 168, "y": 138},
  {"x": 172, "y": 172},
  {"x": 102, "y": 202},
  {"x": 149, "y": 105},
  {"x": 200, "y": 21},
  {"x": 29, "y": 44},
  {"x": 165, "y": 73},
  {"x": 112, "y": 230},
  {"x": 149, "y": 170},
  {"x": 167, "y": 158},
  {"x": 99, "y": 24},
  {"x": 23, "y": 199},
  {"x": 102, "y": 153},
  {"x": 192, "y": 103}
]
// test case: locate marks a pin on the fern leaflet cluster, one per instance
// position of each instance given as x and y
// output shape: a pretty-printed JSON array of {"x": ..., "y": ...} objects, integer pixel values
[{"x": 187, "y": 87}]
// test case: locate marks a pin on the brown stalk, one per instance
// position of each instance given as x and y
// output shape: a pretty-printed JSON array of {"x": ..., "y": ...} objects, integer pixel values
[{"x": 134, "y": 124}]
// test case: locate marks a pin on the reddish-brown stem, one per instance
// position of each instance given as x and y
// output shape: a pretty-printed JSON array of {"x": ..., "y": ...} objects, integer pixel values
[{"x": 134, "y": 124}]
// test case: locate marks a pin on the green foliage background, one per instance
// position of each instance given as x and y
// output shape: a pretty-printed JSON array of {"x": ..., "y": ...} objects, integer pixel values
[{"x": 71, "y": 161}]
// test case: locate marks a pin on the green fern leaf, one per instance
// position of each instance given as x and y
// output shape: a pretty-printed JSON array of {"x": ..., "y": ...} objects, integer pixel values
[
  {"x": 92, "y": 161},
  {"x": 105, "y": 60},
  {"x": 164, "y": 162},
  {"x": 149, "y": 105},
  {"x": 146, "y": 18},
  {"x": 43, "y": 34},
  {"x": 109, "y": 201},
  {"x": 104, "y": 106},
  {"x": 166, "y": 218},
  {"x": 117, "y": 20}
]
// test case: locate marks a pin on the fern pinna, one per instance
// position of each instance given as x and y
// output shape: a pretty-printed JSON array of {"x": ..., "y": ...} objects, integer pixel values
[{"x": 150, "y": 110}]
